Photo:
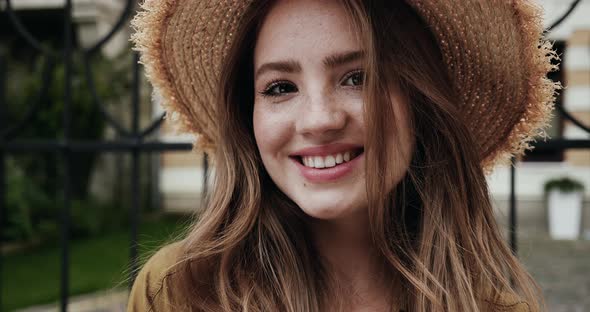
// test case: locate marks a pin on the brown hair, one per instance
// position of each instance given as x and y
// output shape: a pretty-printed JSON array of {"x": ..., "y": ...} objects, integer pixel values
[{"x": 250, "y": 249}]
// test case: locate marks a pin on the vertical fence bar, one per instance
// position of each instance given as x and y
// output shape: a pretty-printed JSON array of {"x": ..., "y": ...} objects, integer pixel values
[
  {"x": 2, "y": 166},
  {"x": 65, "y": 153},
  {"x": 513, "y": 223},
  {"x": 2, "y": 211},
  {"x": 135, "y": 204}
]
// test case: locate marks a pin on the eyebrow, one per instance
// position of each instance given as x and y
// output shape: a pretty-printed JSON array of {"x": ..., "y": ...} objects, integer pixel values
[
  {"x": 283, "y": 66},
  {"x": 336, "y": 60},
  {"x": 291, "y": 66}
]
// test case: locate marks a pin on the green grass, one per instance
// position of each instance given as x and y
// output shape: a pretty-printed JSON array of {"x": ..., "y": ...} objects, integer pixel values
[{"x": 33, "y": 277}]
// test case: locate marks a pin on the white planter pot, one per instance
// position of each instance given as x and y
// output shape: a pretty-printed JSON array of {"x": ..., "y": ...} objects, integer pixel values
[{"x": 565, "y": 214}]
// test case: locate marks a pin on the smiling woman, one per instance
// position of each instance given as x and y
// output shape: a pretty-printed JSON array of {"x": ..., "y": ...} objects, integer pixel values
[{"x": 351, "y": 140}]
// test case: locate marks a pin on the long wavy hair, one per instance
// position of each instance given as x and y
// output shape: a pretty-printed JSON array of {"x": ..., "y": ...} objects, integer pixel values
[{"x": 250, "y": 248}]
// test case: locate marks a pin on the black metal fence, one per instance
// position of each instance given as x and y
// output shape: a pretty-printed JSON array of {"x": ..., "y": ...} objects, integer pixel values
[{"x": 129, "y": 141}]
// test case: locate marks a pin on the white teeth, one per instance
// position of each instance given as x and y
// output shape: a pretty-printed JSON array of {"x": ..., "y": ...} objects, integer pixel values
[
  {"x": 330, "y": 161},
  {"x": 326, "y": 161},
  {"x": 339, "y": 158},
  {"x": 310, "y": 162},
  {"x": 318, "y": 162}
]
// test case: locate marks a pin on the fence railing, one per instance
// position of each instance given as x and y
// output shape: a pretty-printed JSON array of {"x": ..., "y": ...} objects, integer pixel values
[{"x": 129, "y": 141}]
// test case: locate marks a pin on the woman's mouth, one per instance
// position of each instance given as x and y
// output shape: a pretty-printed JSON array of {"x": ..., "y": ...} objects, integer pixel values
[
  {"x": 329, "y": 161},
  {"x": 328, "y": 167}
]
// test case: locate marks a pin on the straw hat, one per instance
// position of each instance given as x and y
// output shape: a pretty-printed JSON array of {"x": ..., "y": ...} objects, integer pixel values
[{"x": 493, "y": 50}]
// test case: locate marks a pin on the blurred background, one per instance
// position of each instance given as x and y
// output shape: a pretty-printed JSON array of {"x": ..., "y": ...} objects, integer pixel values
[{"x": 93, "y": 179}]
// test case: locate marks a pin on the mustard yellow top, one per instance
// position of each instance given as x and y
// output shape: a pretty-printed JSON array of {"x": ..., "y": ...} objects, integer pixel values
[{"x": 150, "y": 292}]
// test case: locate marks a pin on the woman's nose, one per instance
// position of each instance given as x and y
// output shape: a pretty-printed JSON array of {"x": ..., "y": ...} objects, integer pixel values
[{"x": 321, "y": 116}]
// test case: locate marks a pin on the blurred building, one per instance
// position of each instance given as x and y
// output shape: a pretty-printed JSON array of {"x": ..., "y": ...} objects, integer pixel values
[{"x": 92, "y": 19}]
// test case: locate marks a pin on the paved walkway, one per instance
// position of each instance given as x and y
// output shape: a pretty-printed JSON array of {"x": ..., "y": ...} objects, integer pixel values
[
  {"x": 110, "y": 301},
  {"x": 562, "y": 268}
]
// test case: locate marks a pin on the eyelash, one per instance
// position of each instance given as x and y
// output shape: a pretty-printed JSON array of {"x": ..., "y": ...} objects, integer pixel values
[
  {"x": 354, "y": 72},
  {"x": 275, "y": 83}
]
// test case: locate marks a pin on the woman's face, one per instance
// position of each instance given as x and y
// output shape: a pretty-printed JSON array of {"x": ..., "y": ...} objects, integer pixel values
[{"x": 308, "y": 108}]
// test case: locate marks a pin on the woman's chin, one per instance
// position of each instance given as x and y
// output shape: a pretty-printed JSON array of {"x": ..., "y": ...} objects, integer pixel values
[{"x": 330, "y": 211}]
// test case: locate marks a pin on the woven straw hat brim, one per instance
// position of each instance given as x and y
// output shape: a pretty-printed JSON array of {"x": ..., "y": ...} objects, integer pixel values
[{"x": 493, "y": 49}]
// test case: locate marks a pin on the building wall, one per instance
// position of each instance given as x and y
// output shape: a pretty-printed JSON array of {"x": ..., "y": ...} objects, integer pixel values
[
  {"x": 181, "y": 180},
  {"x": 577, "y": 94}
]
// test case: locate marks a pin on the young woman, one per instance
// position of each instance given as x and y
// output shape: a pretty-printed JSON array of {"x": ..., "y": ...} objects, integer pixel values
[{"x": 351, "y": 141}]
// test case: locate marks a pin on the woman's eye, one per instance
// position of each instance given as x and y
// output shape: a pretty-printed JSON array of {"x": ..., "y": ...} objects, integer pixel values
[
  {"x": 279, "y": 88},
  {"x": 355, "y": 79}
]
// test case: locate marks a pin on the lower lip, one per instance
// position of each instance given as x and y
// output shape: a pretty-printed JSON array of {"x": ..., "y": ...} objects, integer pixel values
[{"x": 326, "y": 175}]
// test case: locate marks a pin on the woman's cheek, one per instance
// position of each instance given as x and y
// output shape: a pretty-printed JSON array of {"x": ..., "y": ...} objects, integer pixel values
[{"x": 271, "y": 127}]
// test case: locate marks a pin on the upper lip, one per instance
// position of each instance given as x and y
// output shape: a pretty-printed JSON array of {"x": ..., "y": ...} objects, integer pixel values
[{"x": 325, "y": 150}]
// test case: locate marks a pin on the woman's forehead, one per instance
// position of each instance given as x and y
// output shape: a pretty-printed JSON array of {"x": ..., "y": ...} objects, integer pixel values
[{"x": 304, "y": 29}]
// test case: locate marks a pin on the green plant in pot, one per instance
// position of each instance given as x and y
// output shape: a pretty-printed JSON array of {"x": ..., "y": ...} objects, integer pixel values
[{"x": 564, "y": 197}]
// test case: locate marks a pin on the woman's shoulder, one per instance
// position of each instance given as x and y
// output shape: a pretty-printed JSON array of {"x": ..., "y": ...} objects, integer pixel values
[
  {"x": 507, "y": 302},
  {"x": 149, "y": 291}
]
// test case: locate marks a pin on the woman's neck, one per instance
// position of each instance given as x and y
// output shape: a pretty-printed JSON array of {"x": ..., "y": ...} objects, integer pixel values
[{"x": 346, "y": 247}]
